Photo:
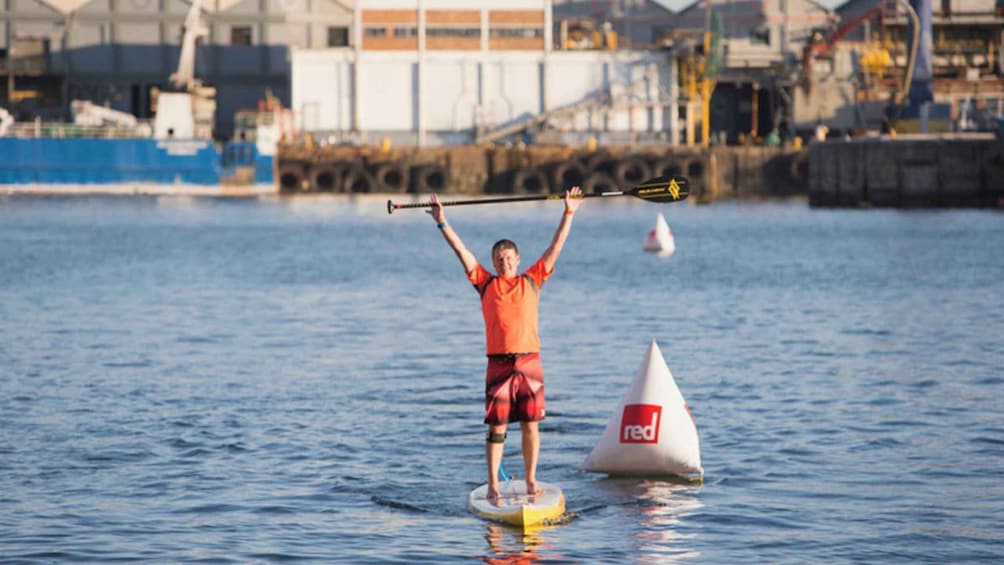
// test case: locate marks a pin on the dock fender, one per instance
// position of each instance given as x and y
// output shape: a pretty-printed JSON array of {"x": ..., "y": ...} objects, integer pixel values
[
  {"x": 599, "y": 182},
  {"x": 430, "y": 178},
  {"x": 392, "y": 177},
  {"x": 358, "y": 180},
  {"x": 566, "y": 174},
  {"x": 631, "y": 170},
  {"x": 291, "y": 178},
  {"x": 666, "y": 167},
  {"x": 326, "y": 178},
  {"x": 530, "y": 180},
  {"x": 600, "y": 161},
  {"x": 695, "y": 168}
]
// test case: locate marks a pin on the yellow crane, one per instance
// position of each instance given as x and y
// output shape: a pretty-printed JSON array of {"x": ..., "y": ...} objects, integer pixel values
[{"x": 699, "y": 69}]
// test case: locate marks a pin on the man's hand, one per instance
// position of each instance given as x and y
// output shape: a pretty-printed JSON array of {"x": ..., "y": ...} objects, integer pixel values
[
  {"x": 436, "y": 211},
  {"x": 573, "y": 197},
  {"x": 467, "y": 258}
]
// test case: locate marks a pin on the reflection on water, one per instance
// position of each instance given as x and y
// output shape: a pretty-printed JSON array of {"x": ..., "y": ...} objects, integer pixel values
[
  {"x": 662, "y": 506},
  {"x": 510, "y": 545}
]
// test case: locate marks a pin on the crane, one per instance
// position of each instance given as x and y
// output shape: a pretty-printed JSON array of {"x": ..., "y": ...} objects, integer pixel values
[{"x": 184, "y": 77}]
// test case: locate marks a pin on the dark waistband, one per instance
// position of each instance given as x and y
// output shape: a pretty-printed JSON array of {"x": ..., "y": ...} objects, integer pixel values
[{"x": 507, "y": 356}]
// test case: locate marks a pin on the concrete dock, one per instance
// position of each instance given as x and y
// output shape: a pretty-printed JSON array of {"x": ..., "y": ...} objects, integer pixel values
[{"x": 908, "y": 171}]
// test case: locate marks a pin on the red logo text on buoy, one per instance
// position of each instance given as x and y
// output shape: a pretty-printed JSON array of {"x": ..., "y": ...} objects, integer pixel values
[{"x": 640, "y": 423}]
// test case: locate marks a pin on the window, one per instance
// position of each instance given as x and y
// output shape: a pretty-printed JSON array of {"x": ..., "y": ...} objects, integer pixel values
[
  {"x": 338, "y": 36},
  {"x": 527, "y": 32},
  {"x": 453, "y": 32},
  {"x": 375, "y": 32},
  {"x": 406, "y": 32},
  {"x": 760, "y": 36},
  {"x": 240, "y": 35}
]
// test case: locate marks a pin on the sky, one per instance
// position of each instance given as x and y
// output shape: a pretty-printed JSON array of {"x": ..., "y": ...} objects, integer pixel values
[{"x": 677, "y": 5}]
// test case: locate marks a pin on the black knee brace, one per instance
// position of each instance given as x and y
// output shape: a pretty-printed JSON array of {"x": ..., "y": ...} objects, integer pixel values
[{"x": 495, "y": 437}]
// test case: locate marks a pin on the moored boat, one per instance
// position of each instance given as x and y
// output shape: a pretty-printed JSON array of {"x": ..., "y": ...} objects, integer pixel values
[{"x": 104, "y": 147}]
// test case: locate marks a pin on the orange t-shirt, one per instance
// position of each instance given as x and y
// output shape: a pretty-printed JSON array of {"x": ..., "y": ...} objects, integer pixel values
[{"x": 509, "y": 306}]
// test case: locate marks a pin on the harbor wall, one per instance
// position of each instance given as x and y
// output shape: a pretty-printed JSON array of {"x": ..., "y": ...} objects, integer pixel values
[
  {"x": 745, "y": 172},
  {"x": 721, "y": 173},
  {"x": 952, "y": 170}
]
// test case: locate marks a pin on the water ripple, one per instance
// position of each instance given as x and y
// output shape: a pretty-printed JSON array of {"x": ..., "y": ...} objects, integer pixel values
[{"x": 302, "y": 379}]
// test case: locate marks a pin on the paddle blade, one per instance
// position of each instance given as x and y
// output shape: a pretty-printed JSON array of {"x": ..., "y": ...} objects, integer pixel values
[{"x": 663, "y": 189}]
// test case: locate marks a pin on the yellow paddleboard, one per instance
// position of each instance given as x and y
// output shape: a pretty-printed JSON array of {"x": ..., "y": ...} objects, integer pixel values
[{"x": 516, "y": 507}]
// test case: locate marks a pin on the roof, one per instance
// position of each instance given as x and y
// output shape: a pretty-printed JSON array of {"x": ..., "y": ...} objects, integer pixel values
[
  {"x": 800, "y": 6},
  {"x": 640, "y": 12},
  {"x": 752, "y": 13},
  {"x": 70, "y": 6}
]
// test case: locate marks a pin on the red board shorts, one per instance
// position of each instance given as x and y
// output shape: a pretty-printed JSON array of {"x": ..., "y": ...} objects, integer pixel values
[{"x": 514, "y": 389}]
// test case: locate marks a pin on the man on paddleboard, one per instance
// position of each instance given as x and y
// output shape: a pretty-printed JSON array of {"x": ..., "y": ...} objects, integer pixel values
[{"x": 514, "y": 380}]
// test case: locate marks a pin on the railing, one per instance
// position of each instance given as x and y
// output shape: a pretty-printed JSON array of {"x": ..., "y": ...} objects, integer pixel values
[
  {"x": 31, "y": 65},
  {"x": 40, "y": 129}
]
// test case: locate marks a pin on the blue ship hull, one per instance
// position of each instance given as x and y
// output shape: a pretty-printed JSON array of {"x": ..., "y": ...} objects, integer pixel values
[{"x": 115, "y": 161}]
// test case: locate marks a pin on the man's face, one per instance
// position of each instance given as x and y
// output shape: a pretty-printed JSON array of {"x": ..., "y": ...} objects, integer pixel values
[{"x": 506, "y": 262}]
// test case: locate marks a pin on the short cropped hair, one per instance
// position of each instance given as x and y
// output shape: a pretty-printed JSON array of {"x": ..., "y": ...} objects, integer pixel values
[{"x": 504, "y": 244}]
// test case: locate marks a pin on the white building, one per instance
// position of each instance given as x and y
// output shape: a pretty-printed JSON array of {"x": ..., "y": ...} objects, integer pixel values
[{"x": 427, "y": 72}]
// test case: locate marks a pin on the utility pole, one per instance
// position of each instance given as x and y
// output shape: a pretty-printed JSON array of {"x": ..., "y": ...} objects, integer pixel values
[
  {"x": 10, "y": 72},
  {"x": 64, "y": 47},
  {"x": 11, "y": 30},
  {"x": 707, "y": 83}
]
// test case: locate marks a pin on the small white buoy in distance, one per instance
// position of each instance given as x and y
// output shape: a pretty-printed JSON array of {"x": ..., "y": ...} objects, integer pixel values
[{"x": 660, "y": 238}]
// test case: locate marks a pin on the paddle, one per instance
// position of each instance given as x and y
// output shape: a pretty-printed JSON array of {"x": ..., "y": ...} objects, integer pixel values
[{"x": 661, "y": 189}]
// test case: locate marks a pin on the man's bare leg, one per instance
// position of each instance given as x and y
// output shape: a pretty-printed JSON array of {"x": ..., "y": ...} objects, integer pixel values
[
  {"x": 493, "y": 454},
  {"x": 531, "y": 450}
]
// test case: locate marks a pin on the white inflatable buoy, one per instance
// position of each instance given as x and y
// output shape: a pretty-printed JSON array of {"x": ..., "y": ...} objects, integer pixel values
[
  {"x": 652, "y": 432},
  {"x": 660, "y": 238}
]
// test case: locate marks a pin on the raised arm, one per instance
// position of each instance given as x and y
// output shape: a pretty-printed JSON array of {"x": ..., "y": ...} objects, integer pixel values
[
  {"x": 467, "y": 258},
  {"x": 573, "y": 198}
]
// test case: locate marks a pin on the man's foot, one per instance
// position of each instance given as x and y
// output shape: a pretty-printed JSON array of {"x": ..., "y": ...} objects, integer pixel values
[
  {"x": 492, "y": 496},
  {"x": 532, "y": 489}
]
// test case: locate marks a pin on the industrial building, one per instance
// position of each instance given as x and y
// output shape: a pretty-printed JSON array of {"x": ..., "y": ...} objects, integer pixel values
[
  {"x": 115, "y": 53},
  {"x": 634, "y": 24},
  {"x": 758, "y": 46},
  {"x": 783, "y": 66},
  {"x": 450, "y": 72},
  {"x": 965, "y": 63}
]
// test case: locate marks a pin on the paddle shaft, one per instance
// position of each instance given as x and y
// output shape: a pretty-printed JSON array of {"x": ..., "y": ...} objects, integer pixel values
[{"x": 391, "y": 206}]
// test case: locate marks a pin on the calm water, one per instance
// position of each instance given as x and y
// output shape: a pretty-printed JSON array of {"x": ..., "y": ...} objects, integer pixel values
[{"x": 189, "y": 379}]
